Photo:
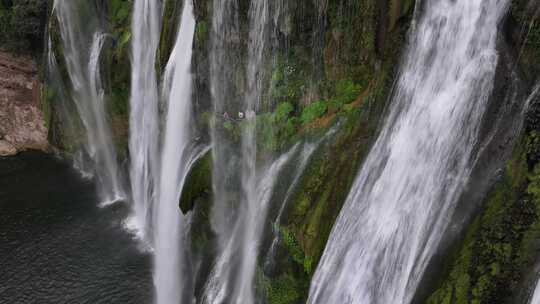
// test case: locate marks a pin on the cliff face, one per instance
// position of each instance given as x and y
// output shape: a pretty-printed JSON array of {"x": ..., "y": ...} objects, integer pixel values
[
  {"x": 22, "y": 125},
  {"x": 335, "y": 66}
]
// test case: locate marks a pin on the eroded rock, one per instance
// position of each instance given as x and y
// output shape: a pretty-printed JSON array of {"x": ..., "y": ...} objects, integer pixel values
[
  {"x": 22, "y": 125},
  {"x": 7, "y": 149}
]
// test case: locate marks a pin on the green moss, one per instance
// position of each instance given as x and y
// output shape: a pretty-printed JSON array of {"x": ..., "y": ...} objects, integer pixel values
[
  {"x": 498, "y": 245},
  {"x": 313, "y": 111},
  {"x": 283, "y": 290},
  {"x": 528, "y": 25},
  {"x": 533, "y": 188},
  {"x": 198, "y": 183},
  {"x": 120, "y": 27},
  {"x": 294, "y": 249},
  {"x": 201, "y": 32},
  {"x": 119, "y": 102},
  {"x": 289, "y": 79},
  {"x": 171, "y": 15}
]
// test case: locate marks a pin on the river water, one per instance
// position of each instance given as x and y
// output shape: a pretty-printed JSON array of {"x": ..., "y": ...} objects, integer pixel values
[{"x": 57, "y": 245}]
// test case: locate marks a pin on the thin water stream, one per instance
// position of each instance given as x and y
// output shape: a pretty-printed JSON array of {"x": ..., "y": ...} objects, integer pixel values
[
  {"x": 82, "y": 43},
  {"x": 176, "y": 157},
  {"x": 143, "y": 121}
]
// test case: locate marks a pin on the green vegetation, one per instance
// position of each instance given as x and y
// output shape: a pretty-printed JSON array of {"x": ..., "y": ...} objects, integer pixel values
[
  {"x": 346, "y": 92},
  {"x": 350, "y": 52},
  {"x": 534, "y": 184},
  {"x": 120, "y": 28},
  {"x": 353, "y": 90},
  {"x": 499, "y": 245},
  {"x": 22, "y": 23},
  {"x": 284, "y": 290},
  {"x": 198, "y": 183},
  {"x": 316, "y": 204},
  {"x": 171, "y": 16},
  {"x": 295, "y": 250},
  {"x": 275, "y": 130},
  {"x": 528, "y": 42},
  {"x": 289, "y": 81},
  {"x": 118, "y": 60},
  {"x": 348, "y": 82},
  {"x": 313, "y": 111},
  {"x": 201, "y": 33}
]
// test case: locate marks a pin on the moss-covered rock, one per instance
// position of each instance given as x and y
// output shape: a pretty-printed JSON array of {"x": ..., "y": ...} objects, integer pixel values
[
  {"x": 324, "y": 186},
  {"x": 198, "y": 184},
  {"x": 524, "y": 29},
  {"x": 492, "y": 257},
  {"x": 500, "y": 244}
]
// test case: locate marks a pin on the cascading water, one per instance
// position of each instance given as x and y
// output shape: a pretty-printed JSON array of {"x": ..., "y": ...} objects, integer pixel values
[
  {"x": 536, "y": 295},
  {"x": 176, "y": 157},
  {"x": 305, "y": 155},
  {"x": 222, "y": 72},
  {"x": 307, "y": 151},
  {"x": 82, "y": 44},
  {"x": 225, "y": 282},
  {"x": 55, "y": 81},
  {"x": 254, "y": 208},
  {"x": 231, "y": 280},
  {"x": 406, "y": 191},
  {"x": 144, "y": 129}
]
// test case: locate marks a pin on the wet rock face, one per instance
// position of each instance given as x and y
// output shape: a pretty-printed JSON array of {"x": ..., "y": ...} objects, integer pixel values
[{"x": 22, "y": 125}]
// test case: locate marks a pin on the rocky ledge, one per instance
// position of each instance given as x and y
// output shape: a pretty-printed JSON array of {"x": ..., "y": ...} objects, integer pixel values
[{"x": 22, "y": 124}]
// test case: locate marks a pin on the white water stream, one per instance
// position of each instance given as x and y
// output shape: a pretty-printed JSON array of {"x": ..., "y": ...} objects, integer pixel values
[
  {"x": 82, "y": 43},
  {"x": 536, "y": 295},
  {"x": 143, "y": 120},
  {"x": 176, "y": 157},
  {"x": 227, "y": 282},
  {"x": 407, "y": 189}
]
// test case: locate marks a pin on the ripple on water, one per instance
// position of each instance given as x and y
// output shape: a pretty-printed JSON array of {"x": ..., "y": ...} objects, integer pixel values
[{"x": 58, "y": 246}]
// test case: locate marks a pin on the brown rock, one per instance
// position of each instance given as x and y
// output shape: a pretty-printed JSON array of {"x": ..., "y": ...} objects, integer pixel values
[
  {"x": 7, "y": 149},
  {"x": 22, "y": 125}
]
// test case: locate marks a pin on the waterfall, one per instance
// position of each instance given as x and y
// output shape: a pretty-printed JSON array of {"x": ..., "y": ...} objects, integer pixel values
[
  {"x": 255, "y": 206},
  {"x": 82, "y": 41},
  {"x": 143, "y": 120},
  {"x": 305, "y": 156},
  {"x": 176, "y": 156},
  {"x": 227, "y": 282},
  {"x": 536, "y": 295},
  {"x": 160, "y": 161},
  {"x": 242, "y": 198},
  {"x": 225, "y": 26},
  {"x": 406, "y": 191},
  {"x": 222, "y": 76}
]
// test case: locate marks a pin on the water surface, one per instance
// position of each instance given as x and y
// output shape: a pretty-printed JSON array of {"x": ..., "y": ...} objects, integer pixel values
[{"x": 57, "y": 246}]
